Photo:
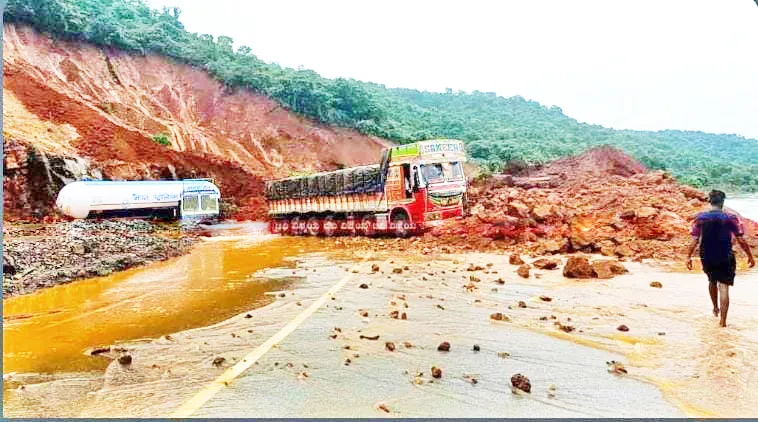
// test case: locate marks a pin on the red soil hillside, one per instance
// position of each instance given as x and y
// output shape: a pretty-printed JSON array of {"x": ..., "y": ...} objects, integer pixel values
[{"x": 74, "y": 101}]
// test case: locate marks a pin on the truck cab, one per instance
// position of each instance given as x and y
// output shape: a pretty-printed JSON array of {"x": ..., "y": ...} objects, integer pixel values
[{"x": 426, "y": 183}]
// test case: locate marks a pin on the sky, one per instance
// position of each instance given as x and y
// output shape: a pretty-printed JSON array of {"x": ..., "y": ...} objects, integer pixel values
[{"x": 641, "y": 64}]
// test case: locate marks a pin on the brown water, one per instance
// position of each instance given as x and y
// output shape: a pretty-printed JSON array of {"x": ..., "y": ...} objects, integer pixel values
[{"x": 50, "y": 331}]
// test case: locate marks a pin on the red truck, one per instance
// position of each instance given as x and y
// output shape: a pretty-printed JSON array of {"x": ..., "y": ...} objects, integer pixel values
[{"x": 415, "y": 186}]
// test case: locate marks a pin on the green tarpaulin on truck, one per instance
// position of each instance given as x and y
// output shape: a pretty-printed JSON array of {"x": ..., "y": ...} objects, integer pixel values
[{"x": 355, "y": 180}]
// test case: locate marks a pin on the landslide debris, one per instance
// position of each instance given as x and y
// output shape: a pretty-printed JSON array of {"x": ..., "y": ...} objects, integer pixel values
[{"x": 601, "y": 201}]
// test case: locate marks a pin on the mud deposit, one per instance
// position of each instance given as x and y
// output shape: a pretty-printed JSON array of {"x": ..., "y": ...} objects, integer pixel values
[
  {"x": 333, "y": 364},
  {"x": 36, "y": 256}
]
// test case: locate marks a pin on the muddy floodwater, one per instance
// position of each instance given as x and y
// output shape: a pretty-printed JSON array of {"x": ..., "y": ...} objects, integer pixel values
[
  {"x": 186, "y": 321},
  {"x": 49, "y": 331}
]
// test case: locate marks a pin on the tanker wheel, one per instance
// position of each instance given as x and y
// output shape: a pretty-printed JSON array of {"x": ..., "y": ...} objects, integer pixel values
[
  {"x": 400, "y": 225},
  {"x": 313, "y": 227},
  {"x": 330, "y": 226}
]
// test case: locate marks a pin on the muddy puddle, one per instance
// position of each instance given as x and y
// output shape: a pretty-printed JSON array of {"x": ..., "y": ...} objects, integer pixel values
[{"x": 50, "y": 330}]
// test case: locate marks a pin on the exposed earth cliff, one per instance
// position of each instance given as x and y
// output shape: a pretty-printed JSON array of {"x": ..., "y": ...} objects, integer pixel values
[{"x": 73, "y": 110}]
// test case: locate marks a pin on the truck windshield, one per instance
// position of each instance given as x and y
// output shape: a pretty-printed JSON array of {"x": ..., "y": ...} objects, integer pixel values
[
  {"x": 455, "y": 171},
  {"x": 433, "y": 172},
  {"x": 440, "y": 172}
]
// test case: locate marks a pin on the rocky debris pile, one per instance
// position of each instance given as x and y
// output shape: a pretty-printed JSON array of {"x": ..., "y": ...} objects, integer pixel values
[
  {"x": 605, "y": 203},
  {"x": 43, "y": 256}
]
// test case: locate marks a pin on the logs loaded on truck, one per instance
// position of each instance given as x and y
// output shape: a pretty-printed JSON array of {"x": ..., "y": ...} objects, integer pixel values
[{"x": 414, "y": 186}]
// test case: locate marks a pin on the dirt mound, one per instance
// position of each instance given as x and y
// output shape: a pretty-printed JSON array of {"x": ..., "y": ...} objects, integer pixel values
[
  {"x": 602, "y": 161},
  {"x": 75, "y": 100}
]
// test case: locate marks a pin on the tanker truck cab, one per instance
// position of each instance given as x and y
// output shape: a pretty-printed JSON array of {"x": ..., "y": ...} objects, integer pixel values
[
  {"x": 185, "y": 199},
  {"x": 200, "y": 199}
]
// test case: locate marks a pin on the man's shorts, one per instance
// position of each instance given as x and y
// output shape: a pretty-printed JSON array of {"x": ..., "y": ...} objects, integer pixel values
[{"x": 721, "y": 272}]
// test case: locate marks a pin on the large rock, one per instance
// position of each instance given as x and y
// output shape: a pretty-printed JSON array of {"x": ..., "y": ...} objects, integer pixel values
[
  {"x": 645, "y": 212},
  {"x": 546, "y": 263},
  {"x": 608, "y": 268},
  {"x": 542, "y": 212},
  {"x": 518, "y": 209},
  {"x": 523, "y": 271},
  {"x": 578, "y": 267}
]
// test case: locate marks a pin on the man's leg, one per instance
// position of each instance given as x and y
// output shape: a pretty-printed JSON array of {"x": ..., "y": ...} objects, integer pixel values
[
  {"x": 724, "y": 293},
  {"x": 714, "y": 291}
]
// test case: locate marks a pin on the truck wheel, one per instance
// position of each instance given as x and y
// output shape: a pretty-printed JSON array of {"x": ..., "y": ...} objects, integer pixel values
[
  {"x": 400, "y": 224},
  {"x": 296, "y": 228},
  {"x": 330, "y": 226},
  {"x": 313, "y": 227}
]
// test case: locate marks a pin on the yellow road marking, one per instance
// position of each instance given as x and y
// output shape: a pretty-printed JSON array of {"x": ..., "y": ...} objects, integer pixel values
[{"x": 202, "y": 396}]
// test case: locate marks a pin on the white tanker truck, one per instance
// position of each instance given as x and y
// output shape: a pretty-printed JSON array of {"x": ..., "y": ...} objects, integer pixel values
[{"x": 190, "y": 198}]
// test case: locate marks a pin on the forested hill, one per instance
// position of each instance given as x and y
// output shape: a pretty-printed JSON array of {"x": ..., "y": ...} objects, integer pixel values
[{"x": 496, "y": 129}]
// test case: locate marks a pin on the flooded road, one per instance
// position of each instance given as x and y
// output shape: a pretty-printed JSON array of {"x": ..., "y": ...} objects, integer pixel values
[
  {"x": 50, "y": 330},
  {"x": 211, "y": 302}
]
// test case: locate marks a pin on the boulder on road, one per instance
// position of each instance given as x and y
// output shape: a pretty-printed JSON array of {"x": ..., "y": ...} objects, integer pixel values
[
  {"x": 546, "y": 263},
  {"x": 578, "y": 267},
  {"x": 515, "y": 259},
  {"x": 608, "y": 268}
]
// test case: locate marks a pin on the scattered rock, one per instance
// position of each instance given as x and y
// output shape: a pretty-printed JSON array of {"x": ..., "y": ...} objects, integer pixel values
[
  {"x": 443, "y": 347},
  {"x": 497, "y": 316},
  {"x": 623, "y": 328},
  {"x": 363, "y": 286},
  {"x": 383, "y": 407},
  {"x": 515, "y": 259},
  {"x": 476, "y": 348},
  {"x": 394, "y": 314},
  {"x": 374, "y": 268},
  {"x": 656, "y": 284},
  {"x": 376, "y": 337},
  {"x": 503, "y": 355},
  {"x": 436, "y": 372},
  {"x": 403, "y": 316},
  {"x": 521, "y": 304},
  {"x": 578, "y": 267},
  {"x": 564, "y": 328},
  {"x": 397, "y": 270},
  {"x": 218, "y": 361},
  {"x": 99, "y": 350},
  {"x": 125, "y": 359},
  {"x": 546, "y": 298},
  {"x": 364, "y": 314},
  {"x": 390, "y": 346},
  {"x": 616, "y": 367},
  {"x": 546, "y": 263},
  {"x": 523, "y": 271},
  {"x": 521, "y": 382},
  {"x": 471, "y": 379},
  {"x": 607, "y": 269},
  {"x": 407, "y": 344}
]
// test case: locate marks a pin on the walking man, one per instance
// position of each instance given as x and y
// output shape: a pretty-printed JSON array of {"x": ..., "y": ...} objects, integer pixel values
[{"x": 713, "y": 229}]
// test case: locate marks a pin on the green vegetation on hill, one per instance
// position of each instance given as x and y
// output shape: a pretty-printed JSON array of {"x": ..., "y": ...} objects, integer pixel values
[{"x": 496, "y": 129}]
